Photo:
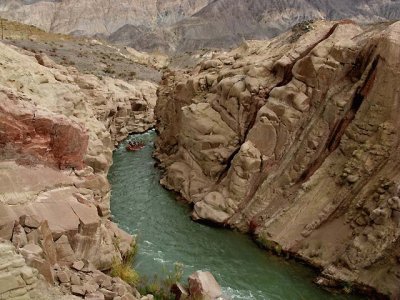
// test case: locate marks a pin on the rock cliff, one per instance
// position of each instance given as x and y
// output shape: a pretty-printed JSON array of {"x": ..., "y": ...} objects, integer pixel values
[
  {"x": 19, "y": 281},
  {"x": 58, "y": 129},
  {"x": 187, "y": 25},
  {"x": 295, "y": 140}
]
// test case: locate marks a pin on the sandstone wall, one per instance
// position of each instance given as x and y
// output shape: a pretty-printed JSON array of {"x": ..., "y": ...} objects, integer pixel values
[
  {"x": 295, "y": 140},
  {"x": 58, "y": 129},
  {"x": 17, "y": 280}
]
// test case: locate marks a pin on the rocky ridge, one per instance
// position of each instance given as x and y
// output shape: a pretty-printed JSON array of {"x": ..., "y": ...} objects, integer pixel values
[
  {"x": 295, "y": 140},
  {"x": 187, "y": 25},
  {"x": 58, "y": 129}
]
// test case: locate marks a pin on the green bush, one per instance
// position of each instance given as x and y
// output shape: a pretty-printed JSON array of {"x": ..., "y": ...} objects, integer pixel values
[
  {"x": 160, "y": 288},
  {"x": 124, "y": 268},
  {"x": 269, "y": 245}
]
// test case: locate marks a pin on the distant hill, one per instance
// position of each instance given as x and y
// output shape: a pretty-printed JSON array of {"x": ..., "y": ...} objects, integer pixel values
[{"x": 184, "y": 25}]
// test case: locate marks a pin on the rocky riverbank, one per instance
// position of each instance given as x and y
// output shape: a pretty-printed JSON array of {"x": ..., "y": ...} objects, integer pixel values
[
  {"x": 295, "y": 141},
  {"x": 58, "y": 128}
]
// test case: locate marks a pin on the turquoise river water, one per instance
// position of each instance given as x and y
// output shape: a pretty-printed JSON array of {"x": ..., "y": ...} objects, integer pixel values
[{"x": 167, "y": 235}]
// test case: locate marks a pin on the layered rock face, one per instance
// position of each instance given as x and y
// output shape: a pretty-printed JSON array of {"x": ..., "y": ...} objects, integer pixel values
[
  {"x": 19, "y": 281},
  {"x": 187, "y": 25},
  {"x": 102, "y": 17},
  {"x": 58, "y": 129},
  {"x": 295, "y": 140}
]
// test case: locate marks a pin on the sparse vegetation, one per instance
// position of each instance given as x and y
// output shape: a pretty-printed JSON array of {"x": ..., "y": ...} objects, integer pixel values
[
  {"x": 124, "y": 268},
  {"x": 109, "y": 70},
  {"x": 86, "y": 57},
  {"x": 2, "y": 28},
  {"x": 270, "y": 245},
  {"x": 301, "y": 28},
  {"x": 160, "y": 288},
  {"x": 347, "y": 287}
]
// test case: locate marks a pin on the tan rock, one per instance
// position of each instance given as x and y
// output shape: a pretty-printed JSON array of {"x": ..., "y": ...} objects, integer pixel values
[
  {"x": 203, "y": 210},
  {"x": 32, "y": 221},
  {"x": 47, "y": 242},
  {"x": 6, "y": 230},
  {"x": 299, "y": 147},
  {"x": 19, "y": 238},
  {"x": 16, "y": 278},
  {"x": 54, "y": 118},
  {"x": 65, "y": 254},
  {"x": 78, "y": 290},
  {"x": 202, "y": 285},
  {"x": 63, "y": 276},
  {"x": 78, "y": 265},
  {"x": 108, "y": 295},
  {"x": 75, "y": 279},
  {"x": 44, "y": 268},
  {"x": 31, "y": 250},
  {"x": 94, "y": 296}
]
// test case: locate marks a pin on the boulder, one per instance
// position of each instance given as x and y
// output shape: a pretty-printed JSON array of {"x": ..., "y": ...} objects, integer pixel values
[
  {"x": 78, "y": 265},
  {"x": 44, "y": 268},
  {"x": 65, "y": 254},
  {"x": 47, "y": 242},
  {"x": 31, "y": 250},
  {"x": 75, "y": 279},
  {"x": 91, "y": 287},
  {"x": 108, "y": 295},
  {"x": 94, "y": 296},
  {"x": 32, "y": 221},
  {"x": 6, "y": 230},
  {"x": 205, "y": 211},
  {"x": 78, "y": 290},
  {"x": 203, "y": 286},
  {"x": 63, "y": 276},
  {"x": 19, "y": 238}
]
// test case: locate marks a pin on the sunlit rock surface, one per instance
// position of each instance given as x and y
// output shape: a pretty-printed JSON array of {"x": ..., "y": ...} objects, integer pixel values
[{"x": 296, "y": 141}]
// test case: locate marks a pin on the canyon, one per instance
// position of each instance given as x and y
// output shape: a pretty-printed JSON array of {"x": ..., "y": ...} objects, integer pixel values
[
  {"x": 295, "y": 140},
  {"x": 292, "y": 140},
  {"x": 58, "y": 129},
  {"x": 187, "y": 25}
]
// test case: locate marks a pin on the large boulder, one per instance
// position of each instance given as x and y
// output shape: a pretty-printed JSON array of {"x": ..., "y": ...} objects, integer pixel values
[{"x": 203, "y": 286}]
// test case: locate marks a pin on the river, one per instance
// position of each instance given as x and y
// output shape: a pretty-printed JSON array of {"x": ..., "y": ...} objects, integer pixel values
[{"x": 167, "y": 235}]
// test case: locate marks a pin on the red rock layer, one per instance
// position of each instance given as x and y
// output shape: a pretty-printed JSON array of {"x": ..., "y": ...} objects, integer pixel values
[{"x": 40, "y": 136}]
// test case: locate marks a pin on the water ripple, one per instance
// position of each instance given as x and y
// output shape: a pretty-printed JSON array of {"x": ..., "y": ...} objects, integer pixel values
[{"x": 166, "y": 235}]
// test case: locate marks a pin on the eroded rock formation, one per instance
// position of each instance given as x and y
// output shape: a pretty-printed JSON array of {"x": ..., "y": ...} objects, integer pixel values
[
  {"x": 19, "y": 281},
  {"x": 187, "y": 25},
  {"x": 58, "y": 129},
  {"x": 296, "y": 141}
]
